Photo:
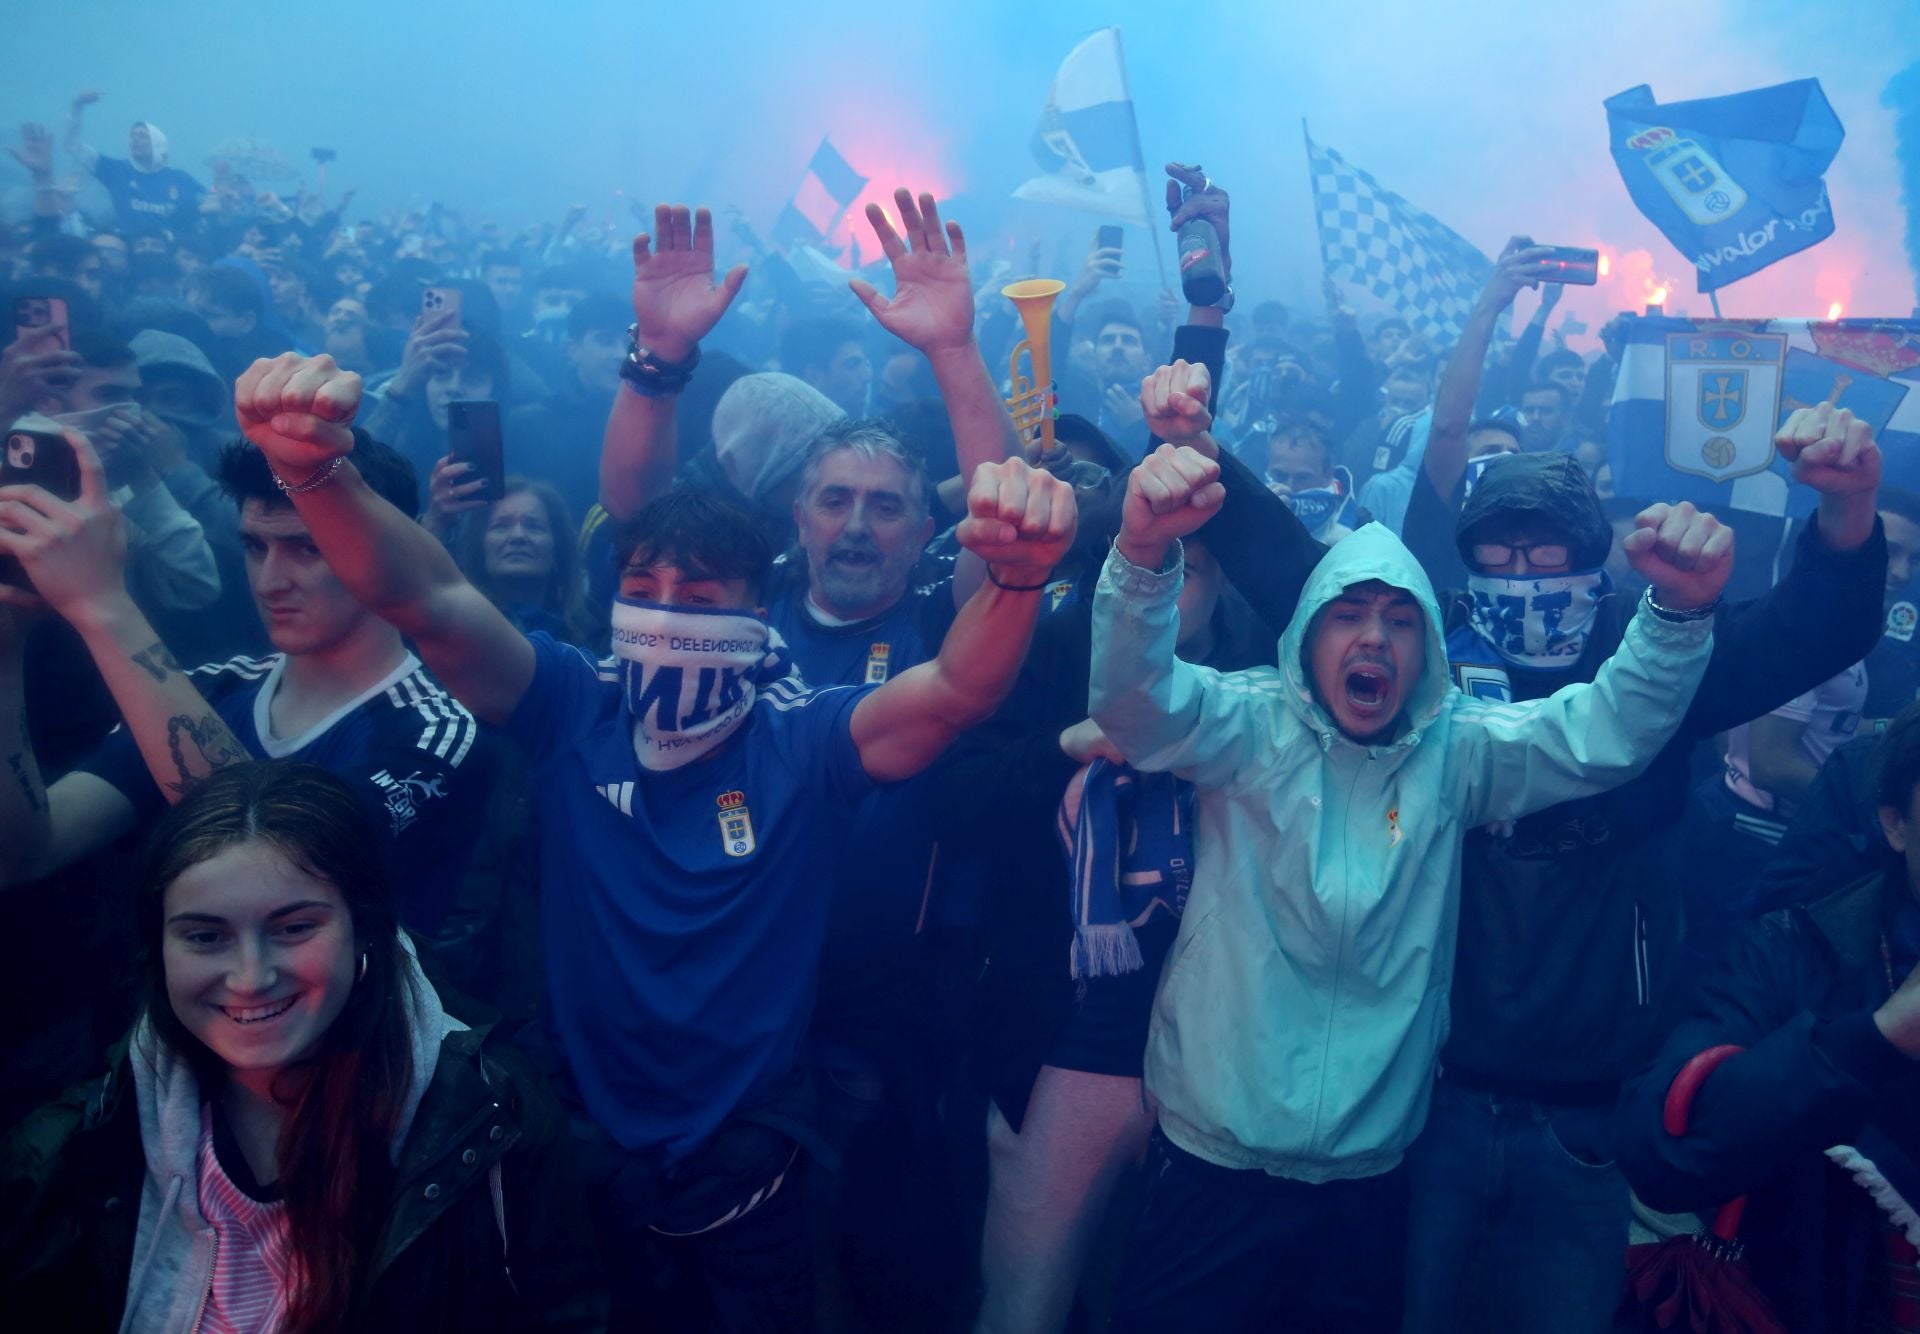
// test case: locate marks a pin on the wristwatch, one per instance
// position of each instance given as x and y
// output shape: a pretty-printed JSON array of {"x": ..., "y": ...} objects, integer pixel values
[
  {"x": 1225, "y": 303},
  {"x": 652, "y": 375},
  {"x": 1680, "y": 616}
]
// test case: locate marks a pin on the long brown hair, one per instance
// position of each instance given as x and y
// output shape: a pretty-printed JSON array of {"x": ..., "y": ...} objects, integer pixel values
[
  {"x": 562, "y": 597},
  {"x": 344, "y": 1100}
]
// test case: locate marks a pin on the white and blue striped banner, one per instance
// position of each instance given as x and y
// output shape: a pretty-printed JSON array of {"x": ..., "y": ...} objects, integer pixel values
[
  {"x": 1087, "y": 142},
  {"x": 1696, "y": 404}
]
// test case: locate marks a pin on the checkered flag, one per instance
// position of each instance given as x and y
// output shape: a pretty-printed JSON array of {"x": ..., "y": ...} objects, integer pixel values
[{"x": 1377, "y": 240}]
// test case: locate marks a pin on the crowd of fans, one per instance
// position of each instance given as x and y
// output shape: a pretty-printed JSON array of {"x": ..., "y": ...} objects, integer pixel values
[{"x": 795, "y": 853}]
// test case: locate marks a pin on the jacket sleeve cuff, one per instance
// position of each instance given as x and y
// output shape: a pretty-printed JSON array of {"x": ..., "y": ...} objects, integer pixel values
[
  {"x": 1857, "y": 1048},
  {"x": 1199, "y": 342},
  {"x": 1142, "y": 585},
  {"x": 1673, "y": 636}
]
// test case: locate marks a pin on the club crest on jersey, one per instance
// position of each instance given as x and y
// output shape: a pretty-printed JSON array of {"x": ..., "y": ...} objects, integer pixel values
[
  {"x": 736, "y": 826},
  {"x": 1902, "y": 617},
  {"x": 877, "y": 664}
]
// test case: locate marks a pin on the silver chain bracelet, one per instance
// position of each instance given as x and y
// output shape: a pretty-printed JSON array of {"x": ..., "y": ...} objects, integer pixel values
[{"x": 322, "y": 475}]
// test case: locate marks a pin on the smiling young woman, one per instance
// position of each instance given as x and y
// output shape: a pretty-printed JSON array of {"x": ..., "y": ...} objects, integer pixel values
[{"x": 313, "y": 1143}]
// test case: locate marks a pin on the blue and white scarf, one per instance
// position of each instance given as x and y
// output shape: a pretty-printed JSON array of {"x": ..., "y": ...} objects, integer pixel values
[{"x": 1131, "y": 849}]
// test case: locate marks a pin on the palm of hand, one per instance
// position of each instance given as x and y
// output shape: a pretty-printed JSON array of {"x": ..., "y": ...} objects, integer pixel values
[
  {"x": 674, "y": 295},
  {"x": 932, "y": 303}
]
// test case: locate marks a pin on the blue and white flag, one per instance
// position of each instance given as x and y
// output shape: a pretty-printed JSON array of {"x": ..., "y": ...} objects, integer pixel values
[
  {"x": 824, "y": 193},
  {"x": 1374, "y": 239},
  {"x": 1696, "y": 405},
  {"x": 1734, "y": 182},
  {"x": 1088, "y": 143}
]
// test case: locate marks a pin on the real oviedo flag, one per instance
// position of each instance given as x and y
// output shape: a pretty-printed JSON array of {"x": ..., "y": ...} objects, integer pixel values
[
  {"x": 1734, "y": 182},
  {"x": 1696, "y": 404}
]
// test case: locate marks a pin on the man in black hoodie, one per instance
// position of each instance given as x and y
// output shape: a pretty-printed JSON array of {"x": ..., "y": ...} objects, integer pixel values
[
  {"x": 1816, "y": 1115},
  {"x": 1570, "y": 919}
]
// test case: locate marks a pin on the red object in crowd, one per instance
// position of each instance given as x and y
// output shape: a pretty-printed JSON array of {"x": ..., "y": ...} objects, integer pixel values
[{"x": 1698, "y": 1283}]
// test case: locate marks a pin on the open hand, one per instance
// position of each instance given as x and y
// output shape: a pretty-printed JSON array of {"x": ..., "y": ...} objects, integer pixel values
[
  {"x": 298, "y": 411},
  {"x": 1174, "y": 401},
  {"x": 1686, "y": 555},
  {"x": 35, "y": 152},
  {"x": 932, "y": 305},
  {"x": 676, "y": 301},
  {"x": 1020, "y": 520},
  {"x": 1170, "y": 493},
  {"x": 74, "y": 552},
  {"x": 1831, "y": 451}
]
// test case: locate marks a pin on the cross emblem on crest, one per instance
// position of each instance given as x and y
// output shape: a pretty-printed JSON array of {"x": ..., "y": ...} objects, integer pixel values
[
  {"x": 1693, "y": 173},
  {"x": 1721, "y": 397}
]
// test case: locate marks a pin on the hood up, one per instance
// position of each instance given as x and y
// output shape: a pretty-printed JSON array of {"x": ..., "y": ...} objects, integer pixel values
[
  {"x": 1551, "y": 487},
  {"x": 1372, "y": 552}
]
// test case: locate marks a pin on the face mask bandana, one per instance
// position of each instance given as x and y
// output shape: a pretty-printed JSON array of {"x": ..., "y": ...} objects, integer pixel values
[
  {"x": 1322, "y": 507},
  {"x": 690, "y": 676},
  {"x": 1539, "y": 623},
  {"x": 1316, "y": 508}
]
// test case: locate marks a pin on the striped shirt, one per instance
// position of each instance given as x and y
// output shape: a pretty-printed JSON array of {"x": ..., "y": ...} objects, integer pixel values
[{"x": 250, "y": 1285}]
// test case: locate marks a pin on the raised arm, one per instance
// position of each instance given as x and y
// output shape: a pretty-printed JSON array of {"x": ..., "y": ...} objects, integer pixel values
[
  {"x": 1587, "y": 738},
  {"x": 932, "y": 312},
  {"x": 75, "y": 555},
  {"x": 83, "y": 153},
  {"x": 1019, "y": 522},
  {"x": 298, "y": 411},
  {"x": 1162, "y": 714},
  {"x": 1266, "y": 552},
  {"x": 1446, "y": 461},
  {"x": 676, "y": 303}
]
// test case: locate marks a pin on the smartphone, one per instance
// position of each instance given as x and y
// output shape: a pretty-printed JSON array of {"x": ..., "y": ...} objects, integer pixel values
[
  {"x": 1570, "y": 264},
  {"x": 1109, "y": 238},
  {"x": 44, "y": 320},
  {"x": 37, "y": 453},
  {"x": 473, "y": 436},
  {"x": 436, "y": 300}
]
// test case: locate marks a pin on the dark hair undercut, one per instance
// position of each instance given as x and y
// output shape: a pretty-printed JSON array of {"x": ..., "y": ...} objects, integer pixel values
[
  {"x": 701, "y": 533},
  {"x": 243, "y": 475}
]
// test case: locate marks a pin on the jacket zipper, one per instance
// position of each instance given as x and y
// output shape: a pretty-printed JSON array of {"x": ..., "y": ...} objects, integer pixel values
[
  {"x": 1642, "y": 979},
  {"x": 206, "y": 1293}
]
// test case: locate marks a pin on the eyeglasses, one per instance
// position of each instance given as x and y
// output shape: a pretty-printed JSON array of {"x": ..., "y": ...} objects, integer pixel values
[{"x": 1537, "y": 553}]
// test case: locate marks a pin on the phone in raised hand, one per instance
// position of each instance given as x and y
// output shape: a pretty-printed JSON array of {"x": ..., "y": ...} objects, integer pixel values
[
  {"x": 473, "y": 437},
  {"x": 442, "y": 300},
  {"x": 37, "y": 453},
  {"x": 1570, "y": 264}
]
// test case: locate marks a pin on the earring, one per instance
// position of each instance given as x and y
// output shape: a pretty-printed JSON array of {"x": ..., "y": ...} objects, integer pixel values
[{"x": 363, "y": 966}]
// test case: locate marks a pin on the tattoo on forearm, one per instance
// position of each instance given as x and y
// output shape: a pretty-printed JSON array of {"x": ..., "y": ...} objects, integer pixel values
[
  {"x": 199, "y": 747},
  {"x": 28, "y": 787},
  {"x": 157, "y": 661}
]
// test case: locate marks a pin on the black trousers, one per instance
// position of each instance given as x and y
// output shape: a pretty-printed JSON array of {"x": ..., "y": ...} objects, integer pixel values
[{"x": 1223, "y": 1250}]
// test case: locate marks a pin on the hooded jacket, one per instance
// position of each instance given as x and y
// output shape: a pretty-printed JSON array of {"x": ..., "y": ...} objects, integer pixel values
[
  {"x": 483, "y": 1232},
  {"x": 1570, "y": 927},
  {"x": 1797, "y": 989},
  {"x": 1305, "y": 1001}
]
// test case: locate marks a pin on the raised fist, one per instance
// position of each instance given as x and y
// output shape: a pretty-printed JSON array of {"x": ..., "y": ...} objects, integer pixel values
[{"x": 299, "y": 411}]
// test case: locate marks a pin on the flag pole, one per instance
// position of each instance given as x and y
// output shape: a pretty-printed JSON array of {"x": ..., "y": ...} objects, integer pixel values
[
  {"x": 1319, "y": 237},
  {"x": 1140, "y": 162}
]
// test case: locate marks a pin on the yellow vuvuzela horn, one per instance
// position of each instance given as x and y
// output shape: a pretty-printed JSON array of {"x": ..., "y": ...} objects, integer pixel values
[{"x": 1032, "y": 399}]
